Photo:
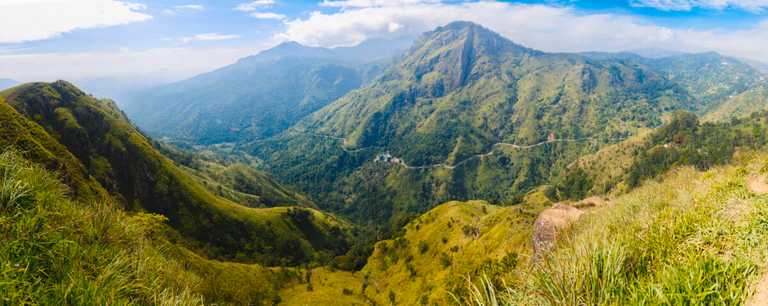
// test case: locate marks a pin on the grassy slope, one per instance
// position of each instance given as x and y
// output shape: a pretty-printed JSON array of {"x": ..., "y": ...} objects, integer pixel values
[
  {"x": 684, "y": 140},
  {"x": 35, "y": 143},
  {"x": 432, "y": 258},
  {"x": 741, "y": 105},
  {"x": 607, "y": 168},
  {"x": 123, "y": 161},
  {"x": 689, "y": 238},
  {"x": 56, "y": 250},
  {"x": 233, "y": 177},
  {"x": 693, "y": 238}
]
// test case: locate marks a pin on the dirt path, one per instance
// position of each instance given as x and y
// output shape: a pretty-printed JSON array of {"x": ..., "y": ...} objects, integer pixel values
[
  {"x": 761, "y": 293},
  {"x": 757, "y": 184}
]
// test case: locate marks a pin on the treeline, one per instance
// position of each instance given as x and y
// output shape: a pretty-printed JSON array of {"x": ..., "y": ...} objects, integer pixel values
[{"x": 684, "y": 141}]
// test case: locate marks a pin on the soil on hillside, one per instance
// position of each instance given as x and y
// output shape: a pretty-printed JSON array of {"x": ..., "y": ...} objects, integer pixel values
[{"x": 757, "y": 184}]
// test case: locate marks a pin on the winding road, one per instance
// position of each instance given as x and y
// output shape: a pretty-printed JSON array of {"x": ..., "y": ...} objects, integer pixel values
[
  {"x": 445, "y": 164},
  {"x": 489, "y": 153}
]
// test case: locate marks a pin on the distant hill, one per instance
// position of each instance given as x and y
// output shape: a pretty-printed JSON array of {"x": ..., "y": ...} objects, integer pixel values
[
  {"x": 92, "y": 143},
  {"x": 259, "y": 96},
  {"x": 711, "y": 78}
]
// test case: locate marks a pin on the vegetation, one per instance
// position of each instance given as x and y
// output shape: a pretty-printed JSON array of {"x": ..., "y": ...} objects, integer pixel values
[
  {"x": 255, "y": 98},
  {"x": 107, "y": 148},
  {"x": 233, "y": 175},
  {"x": 56, "y": 251},
  {"x": 432, "y": 257},
  {"x": 694, "y": 238},
  {"x": 741, "y": 105},
  {"x": 683, "y": 141},
  {"x": 460, "y": 90}
]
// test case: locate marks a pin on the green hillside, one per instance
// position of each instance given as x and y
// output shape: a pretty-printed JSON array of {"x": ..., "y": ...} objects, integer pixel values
[
  {"x": 711, "y": 78},
  {"x": 233, "y": 176},
  {"x": 454, "y": 98},
  {"x": 741, "y": 105},
  {"x": 124, "y": 162},
  {"x": 687, "y": 237},
  {"x": 684, "y": 141},
  {"x": 57, "y": 250},
  {"x": 432, "y": 258},
  {"x": 714, "y": 80},
  {"x": 692, "y": 238}
]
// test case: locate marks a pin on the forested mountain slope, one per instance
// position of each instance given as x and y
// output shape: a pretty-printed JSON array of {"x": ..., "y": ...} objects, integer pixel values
[
  {"x": 722, "y": 86},
  {"x": 690, "y": 231},
  {"x": 259, "y": 96},
  {"x": 453, "y": 110}
]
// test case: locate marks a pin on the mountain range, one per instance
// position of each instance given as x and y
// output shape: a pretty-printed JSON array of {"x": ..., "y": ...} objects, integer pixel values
[
  {"x": 259, "y": 96},
  {"x": 459, "y": 109},
  {"x": 456, "y": 167}
]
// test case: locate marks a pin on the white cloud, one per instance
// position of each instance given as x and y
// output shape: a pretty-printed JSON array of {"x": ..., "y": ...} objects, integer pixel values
[
  {"x": 267, "y": 15},
  {"x": 208, "y": 37},
  {"x": 29, "y": 20},
  {"x": 254, "y": 5},
  {"x": 372, "y": 3},
  {"x": 548, "y": 28},
  {"x": 687, "y": 5},
  {"x": 179, "y": 9}
]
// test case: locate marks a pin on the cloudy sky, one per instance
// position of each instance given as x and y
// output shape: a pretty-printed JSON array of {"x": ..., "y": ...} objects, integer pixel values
[{"x": 175, "y": 39}]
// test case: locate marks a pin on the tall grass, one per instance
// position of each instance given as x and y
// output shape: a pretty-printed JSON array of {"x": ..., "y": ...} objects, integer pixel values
[
  {"x": 57, "y": 252},
  {"x": 693, "y": 239},
  {"x": 485, "y": 294}
]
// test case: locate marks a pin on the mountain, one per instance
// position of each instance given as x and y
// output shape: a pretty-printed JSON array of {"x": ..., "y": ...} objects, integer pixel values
[
  {"x": 63, "y": 250},
  {"x": 460, "y": 109},
  {"x": 741, "y": 105},
  {"x": 7, "y": 83},
  {"x": 760, "y": 66},
  {"x": 97, "y": 149},
  {"x": 711, "y": 78},
  {"x": 234, "y": 178},
  {"x": 259, "y": 96}
]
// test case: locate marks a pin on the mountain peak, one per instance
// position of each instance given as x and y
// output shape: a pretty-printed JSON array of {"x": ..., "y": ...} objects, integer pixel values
[
  {"x": 460, "y": 51},
  {"x": 460, "y": 24}
]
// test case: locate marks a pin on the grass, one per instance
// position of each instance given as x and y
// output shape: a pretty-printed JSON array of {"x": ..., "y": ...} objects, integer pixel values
[
  {"x": 692, "y": 238},
  {"x": 58, "y": 251},
  {"x": 93, "y": 144},
  {"x": 54, "y": 251},
  {"x": 429, "y": 260}
]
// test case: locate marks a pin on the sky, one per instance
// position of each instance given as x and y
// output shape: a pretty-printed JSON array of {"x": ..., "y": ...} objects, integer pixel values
[{"x": 168, "y": 40}]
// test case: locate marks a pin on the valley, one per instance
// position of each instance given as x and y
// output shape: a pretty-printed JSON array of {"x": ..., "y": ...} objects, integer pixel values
[{"x": 455, "y": 167}]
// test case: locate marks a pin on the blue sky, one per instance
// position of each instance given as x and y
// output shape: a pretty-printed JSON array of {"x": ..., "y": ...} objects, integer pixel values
[{"x": 175, "y": 39}]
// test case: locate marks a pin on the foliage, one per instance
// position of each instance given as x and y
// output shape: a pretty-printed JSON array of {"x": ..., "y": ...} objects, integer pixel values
[
  {"x": 102, "y": 144},
  {"x": 682, "y": 141},
  {"x": 692, "y": 238},
  {"x": 427, "y": 110},
  {"x": 55, "y": 251}
]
